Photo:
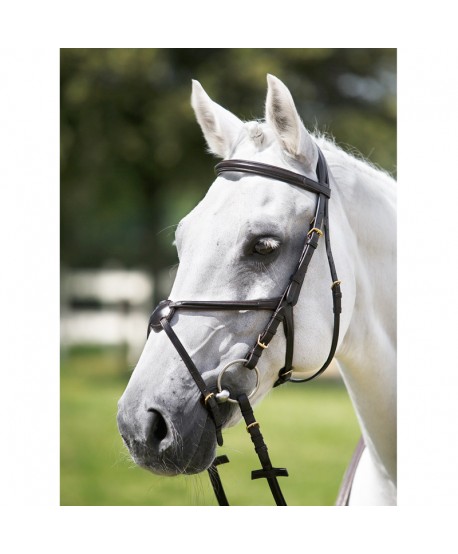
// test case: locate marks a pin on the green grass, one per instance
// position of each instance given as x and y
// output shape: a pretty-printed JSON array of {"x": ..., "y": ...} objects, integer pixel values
[{"x": 310, "y": 429}]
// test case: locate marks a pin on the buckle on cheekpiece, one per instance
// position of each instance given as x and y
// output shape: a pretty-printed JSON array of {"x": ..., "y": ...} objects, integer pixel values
[
  {"x": 161, "y": 311},
  {"x": 283, "y": 376}
]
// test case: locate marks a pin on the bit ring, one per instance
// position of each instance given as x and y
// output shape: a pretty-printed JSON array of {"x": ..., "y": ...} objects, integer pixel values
[{"x": 220, "y": 377}]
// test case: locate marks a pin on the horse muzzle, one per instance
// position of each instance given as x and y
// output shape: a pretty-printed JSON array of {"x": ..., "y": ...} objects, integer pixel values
[{"x": 165, "y": 448}]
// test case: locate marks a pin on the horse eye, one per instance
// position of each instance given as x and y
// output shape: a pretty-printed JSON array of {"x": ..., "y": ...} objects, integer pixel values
[{"x": 266, "y": 246}]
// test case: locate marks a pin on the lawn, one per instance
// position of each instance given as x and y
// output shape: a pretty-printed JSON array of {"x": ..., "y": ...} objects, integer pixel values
[{"x": 310, "y": 429}]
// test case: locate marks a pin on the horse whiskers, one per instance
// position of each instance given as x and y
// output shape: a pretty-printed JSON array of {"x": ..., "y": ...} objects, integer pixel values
[
  {"x": 176, "y": 438},
  {"x": 195, "y": 446},
  {"x": 126, "y": 457},
  {"x": 166, "y": 464},
  {"x": 196, "y": 488}
]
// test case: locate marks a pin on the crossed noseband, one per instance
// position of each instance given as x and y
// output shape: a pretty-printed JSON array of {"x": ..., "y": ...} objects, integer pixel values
[{"x": 282, "y": 312}]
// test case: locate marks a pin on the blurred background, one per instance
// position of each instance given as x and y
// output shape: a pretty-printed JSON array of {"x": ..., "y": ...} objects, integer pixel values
[{"x": 133, "y": 163}]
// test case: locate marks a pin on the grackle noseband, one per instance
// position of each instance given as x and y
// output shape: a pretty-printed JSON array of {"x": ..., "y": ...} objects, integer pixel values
[{"x": 282, "y": 312}]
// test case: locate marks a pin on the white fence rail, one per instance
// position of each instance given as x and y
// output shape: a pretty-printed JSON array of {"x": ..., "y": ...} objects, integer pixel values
[{"x": 106, "y": 307}]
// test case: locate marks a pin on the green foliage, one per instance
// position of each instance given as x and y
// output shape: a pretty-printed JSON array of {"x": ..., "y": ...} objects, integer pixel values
[
  {"x": 310, "y": 429},
  {"x": 133, "y": 160}
]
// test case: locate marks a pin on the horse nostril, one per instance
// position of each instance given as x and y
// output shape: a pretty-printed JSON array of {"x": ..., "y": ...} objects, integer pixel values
[{"x": 156, "y": 427}]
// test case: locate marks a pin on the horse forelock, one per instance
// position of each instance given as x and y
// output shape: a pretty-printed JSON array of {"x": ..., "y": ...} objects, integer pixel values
[{"x": 255, "y": 135}]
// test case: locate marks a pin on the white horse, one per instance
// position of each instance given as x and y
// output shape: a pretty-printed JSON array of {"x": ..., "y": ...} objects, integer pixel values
[{"x": 242, "y": 242}]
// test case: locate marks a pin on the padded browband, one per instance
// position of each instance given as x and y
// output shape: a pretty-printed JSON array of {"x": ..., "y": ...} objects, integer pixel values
[{"x": 273, "y": 172}]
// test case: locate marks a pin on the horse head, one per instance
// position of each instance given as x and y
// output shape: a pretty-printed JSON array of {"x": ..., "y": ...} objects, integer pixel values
[{"x": 241, "y": 243}]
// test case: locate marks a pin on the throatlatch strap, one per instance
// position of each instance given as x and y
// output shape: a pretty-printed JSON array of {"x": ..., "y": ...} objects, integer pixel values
[
  {"x": 336, "y": 303},
  {"x": 268, "y": 471}
]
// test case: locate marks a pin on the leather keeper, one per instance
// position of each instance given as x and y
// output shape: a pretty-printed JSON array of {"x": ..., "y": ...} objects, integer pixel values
[
  {"x": 294, "y": 290},
  {"x": 313, "y": 240},
  {"x": 283, "y": 377},
  {"x": 253, "y": 357},
  {"x": 337, "y": 299},
  {"x": 220, "y": 460},
  {"x": 214, "y": 411}
]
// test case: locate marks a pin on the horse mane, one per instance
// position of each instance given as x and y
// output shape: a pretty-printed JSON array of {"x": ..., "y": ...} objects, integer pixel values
[
  {"x": 259, "y": 133},
  {"x": 351, "y": 156}
]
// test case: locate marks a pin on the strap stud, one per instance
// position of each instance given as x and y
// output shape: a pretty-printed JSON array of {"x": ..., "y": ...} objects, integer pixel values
[{"x": 222, "y": 396}]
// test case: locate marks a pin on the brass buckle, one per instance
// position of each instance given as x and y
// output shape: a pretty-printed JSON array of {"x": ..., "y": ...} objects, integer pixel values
[
  {"x": 207, "y": 398},
  {"x": 335, "y": 283},
  {"x": 254, "y": 424},
  {"x": 261, "y": 344},
  {"x": 315, "y": 230}
]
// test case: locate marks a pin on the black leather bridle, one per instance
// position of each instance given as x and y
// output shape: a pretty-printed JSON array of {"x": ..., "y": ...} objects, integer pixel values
[{"x": 282, "y": 312}]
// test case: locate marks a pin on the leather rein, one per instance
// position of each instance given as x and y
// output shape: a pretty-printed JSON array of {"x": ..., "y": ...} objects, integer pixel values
[{"x": 282, "y": 312}]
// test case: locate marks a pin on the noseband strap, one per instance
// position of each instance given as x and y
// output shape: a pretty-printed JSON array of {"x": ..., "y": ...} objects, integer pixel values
[
  {"x": 281, "y": 308},
  {"x": 208, "y": 397}
]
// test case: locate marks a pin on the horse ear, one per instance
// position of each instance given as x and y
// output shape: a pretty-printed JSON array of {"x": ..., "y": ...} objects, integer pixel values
[
  {"x": 281, "y": 114},
  {"x": 219, "y": 126}
]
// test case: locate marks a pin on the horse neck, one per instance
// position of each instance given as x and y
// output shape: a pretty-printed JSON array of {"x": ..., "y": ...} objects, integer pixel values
[{"x": 367, "y": 355}]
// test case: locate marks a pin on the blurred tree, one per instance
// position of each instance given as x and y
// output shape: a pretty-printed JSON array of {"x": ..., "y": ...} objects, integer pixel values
[{"x": 133, "y": 159}]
